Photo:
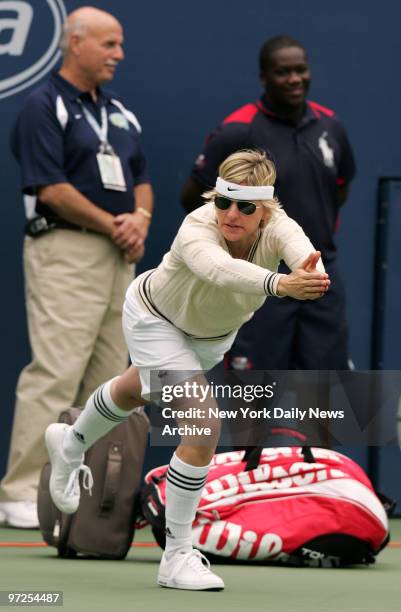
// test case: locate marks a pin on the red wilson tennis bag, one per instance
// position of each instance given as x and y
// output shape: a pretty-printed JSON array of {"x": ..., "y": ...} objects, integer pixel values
[{"x": 296, "y": 506}]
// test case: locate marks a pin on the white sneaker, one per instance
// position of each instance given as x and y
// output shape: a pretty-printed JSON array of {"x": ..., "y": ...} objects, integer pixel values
[
  {"x": 22, "y": 514},
  {"x": 188, "y": 570},
  {"x": 64, "y": 477}
]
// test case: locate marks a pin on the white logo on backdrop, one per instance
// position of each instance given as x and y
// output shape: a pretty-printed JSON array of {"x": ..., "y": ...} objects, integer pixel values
[{"x": 20, "y": 25}]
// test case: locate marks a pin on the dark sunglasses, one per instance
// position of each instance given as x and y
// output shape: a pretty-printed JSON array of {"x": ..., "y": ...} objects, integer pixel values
[{"x": 246, "y": 208}]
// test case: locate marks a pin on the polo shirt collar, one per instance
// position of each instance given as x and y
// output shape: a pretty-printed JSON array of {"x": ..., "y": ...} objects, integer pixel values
[
  {"x": 307, "y": 116},
  {"x": 73, "y": 92}
]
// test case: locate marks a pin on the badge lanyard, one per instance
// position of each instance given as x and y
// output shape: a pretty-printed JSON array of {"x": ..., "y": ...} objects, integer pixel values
[{"x": 109, "y": 163}]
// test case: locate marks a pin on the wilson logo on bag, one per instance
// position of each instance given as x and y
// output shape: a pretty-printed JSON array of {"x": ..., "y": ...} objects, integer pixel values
[{"x": 284, "y": 505}]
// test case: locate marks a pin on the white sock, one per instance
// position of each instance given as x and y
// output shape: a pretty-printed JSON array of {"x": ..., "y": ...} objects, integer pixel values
[
  {"x": 183, "y": 491},
  {"x": 99, "y": 416}
]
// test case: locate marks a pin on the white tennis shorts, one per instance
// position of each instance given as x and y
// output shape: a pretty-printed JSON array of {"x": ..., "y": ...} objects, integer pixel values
[{"x": 154, "y": 344}]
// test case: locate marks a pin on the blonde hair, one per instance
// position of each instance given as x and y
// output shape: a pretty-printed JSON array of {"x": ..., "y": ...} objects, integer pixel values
[{"x": 248, "y": 167}]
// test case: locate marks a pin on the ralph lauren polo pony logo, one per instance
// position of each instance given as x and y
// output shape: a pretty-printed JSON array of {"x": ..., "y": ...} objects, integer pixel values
[{"x": 327, "y": 151}]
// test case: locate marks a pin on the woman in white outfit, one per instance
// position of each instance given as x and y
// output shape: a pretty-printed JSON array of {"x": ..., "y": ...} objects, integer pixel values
[{"x": 183, "y": 316}]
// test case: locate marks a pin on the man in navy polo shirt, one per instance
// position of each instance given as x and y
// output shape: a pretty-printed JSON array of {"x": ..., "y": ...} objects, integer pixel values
[
  {"x": 315, "y": 165},
  {"x": 89, "y": 204}
]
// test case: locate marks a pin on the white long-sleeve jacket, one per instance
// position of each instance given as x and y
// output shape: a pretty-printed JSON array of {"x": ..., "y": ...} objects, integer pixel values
[{"x": 206, "y": 293}]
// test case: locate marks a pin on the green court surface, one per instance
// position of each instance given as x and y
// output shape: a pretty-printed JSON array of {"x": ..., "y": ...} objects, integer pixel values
[{"x": 130, "y": 585}]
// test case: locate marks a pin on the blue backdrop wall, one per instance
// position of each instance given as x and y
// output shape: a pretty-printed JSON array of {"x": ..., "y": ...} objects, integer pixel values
[{"x": 187, "y": 65}]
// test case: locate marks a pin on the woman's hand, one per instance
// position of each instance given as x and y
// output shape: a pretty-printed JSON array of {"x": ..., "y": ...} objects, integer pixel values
[{"x": 304, "y": 283}]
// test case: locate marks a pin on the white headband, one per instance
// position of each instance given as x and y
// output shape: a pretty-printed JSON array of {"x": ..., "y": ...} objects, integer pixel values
[{"x": 243, "y": 192}]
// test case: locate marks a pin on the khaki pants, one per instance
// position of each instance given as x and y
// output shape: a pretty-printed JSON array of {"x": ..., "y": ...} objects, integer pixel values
[{"x": 75, "y": 287}]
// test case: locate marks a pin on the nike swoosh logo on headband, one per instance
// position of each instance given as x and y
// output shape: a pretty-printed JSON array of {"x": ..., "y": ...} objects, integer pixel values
[{"x": 232, "y": 189}]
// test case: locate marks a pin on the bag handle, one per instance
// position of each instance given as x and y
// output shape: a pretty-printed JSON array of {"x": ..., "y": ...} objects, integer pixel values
[
  {"x": 253, "y": 453},
  {"x": 112, "y": 479}
]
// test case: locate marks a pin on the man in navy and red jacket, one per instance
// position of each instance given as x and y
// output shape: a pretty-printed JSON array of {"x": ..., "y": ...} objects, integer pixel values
[{"x": 315, "y": 166}]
